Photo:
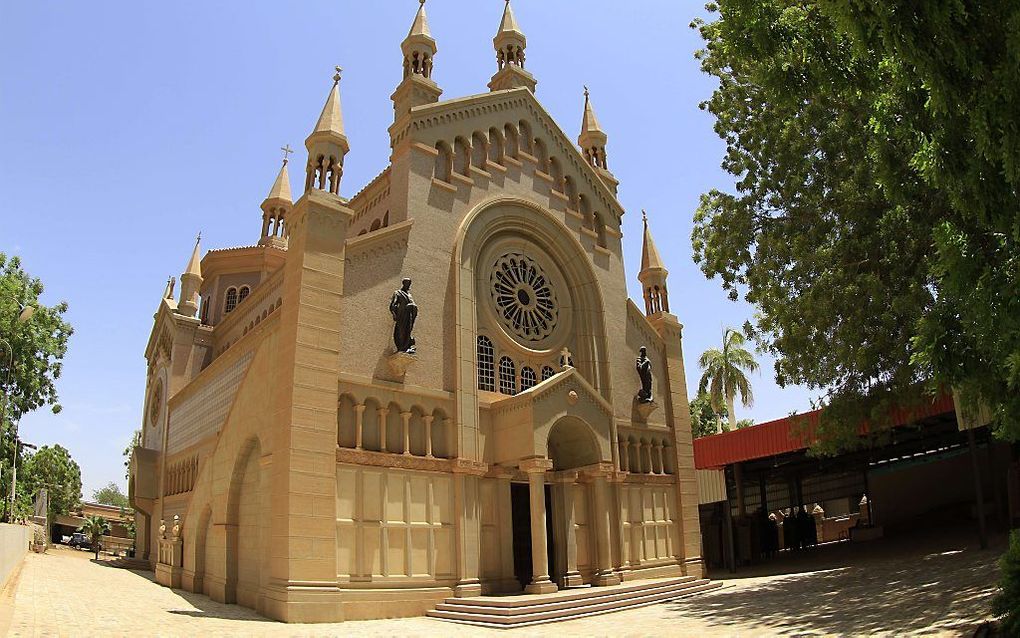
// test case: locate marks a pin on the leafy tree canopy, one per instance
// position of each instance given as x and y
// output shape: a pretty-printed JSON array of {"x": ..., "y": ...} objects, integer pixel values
[
  {"x": 53, "y": 468},
  {"x": 136, "y": 440},
  {"x": 875, "y": 221},
  {"x": 703, "y": 417},
  {"x": 36, "y": 347},
  {"x": 110, "y": 494}
]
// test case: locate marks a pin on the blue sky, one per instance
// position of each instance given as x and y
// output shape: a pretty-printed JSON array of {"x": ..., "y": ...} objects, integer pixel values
[{"x": 128, "y": 127}]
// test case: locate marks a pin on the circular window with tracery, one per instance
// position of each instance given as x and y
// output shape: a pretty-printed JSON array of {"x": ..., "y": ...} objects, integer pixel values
[{"x": 524, "y": 297}]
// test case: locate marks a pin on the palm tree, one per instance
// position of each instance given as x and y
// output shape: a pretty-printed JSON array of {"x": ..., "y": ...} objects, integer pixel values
[
  {"x": 94, "y": 527},
  {"x": 724, "y": 376}
]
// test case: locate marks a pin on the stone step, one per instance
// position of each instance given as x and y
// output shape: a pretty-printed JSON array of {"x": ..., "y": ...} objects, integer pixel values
[
  {"x": 588, "y": 597},
  {"x": 578, "y": 593},
  {"x": 545, "y": 612}
]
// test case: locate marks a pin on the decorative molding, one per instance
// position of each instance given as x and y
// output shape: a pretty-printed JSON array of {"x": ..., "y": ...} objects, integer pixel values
[
  {"x": 384, "y": 240},
  {"x": 398, "y": 461}
]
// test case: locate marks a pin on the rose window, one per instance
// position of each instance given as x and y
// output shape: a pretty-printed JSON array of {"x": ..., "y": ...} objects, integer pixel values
[{"x": 524, "y": 298}]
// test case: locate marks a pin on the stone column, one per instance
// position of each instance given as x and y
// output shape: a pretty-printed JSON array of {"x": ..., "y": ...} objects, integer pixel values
[
  {"x": 646, "y": 450},
  {"x": 658, "y": 458},
  {"x": 540, "y": 582},
  {"x": 359, "y": 421},
  {"x": 625, "y": 455},
  {"x": 406, "y": 418},
  {"x": 565, "y": 492},
  {"x": 428, "y": 435},
  {"x": 604, "y": 574},
  {"x": 468, "y": 526},
  {"x": 383, "y": 413}
]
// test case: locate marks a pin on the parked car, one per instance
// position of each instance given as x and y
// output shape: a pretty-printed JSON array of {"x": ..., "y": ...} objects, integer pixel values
[{"x": 79, "y": 541}]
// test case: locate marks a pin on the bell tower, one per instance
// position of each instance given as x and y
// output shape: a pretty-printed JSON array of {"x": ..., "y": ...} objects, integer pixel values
[
  {"x": 510, "y": 43},
  {"x": 327, "y": 145},
  {"x": 276, "y": 206},
  {"x": 417, "y": 86},
  {"x": 652, "y": 275}
]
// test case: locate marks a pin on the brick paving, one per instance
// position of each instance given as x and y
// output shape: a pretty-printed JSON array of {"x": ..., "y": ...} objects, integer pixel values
[{"x": 937, "y": 586}]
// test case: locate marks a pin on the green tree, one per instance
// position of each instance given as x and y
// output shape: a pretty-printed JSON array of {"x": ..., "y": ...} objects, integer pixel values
[
  {"x": 36, "y": 347},
  {"x": 744, "y": 423},
  {"x": 110, "y": 494},
  {"x": 94, "y": 528},
  {"x": 53, "y": 468},
  {"x": 136, "y": 440},
  {"x": 875, "y": 219},
  {"x": 1005, "y": 602},
  {"x": 704, "y": 420},
  {"x": 723, "y": 377}
]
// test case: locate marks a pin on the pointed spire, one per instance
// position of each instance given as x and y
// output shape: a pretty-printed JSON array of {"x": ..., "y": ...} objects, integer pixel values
[
  {"x": 327, "y": 145},
  {"x": 510, "y": 43},
  {"x": 589, "y": 123},
  {"x": 508, "y": 25},
  {"x": 195, "y": 263},
  {"x": 332, "y": 119},
  {"x": 276, "y": 206},
  {"x": 653, "y": 274},
  {"x": 649, "y": 253},
  {"x": 420, "y": 26},
  {"x": 191, "y": 281},
  {"x": 281, "y": 187},
  {"x": 592, "y": 139}
]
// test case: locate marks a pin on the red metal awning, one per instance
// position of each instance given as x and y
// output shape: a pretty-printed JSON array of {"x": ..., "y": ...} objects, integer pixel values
[{"x": 788, "y": 434}]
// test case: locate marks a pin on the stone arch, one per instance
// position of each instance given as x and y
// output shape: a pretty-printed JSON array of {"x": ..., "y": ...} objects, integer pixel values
[
  {"x": 394, "y": 428},
  {"x": 494, "y": 220},
  {"x": 495, "y": 146},
  {"x": 203, "y": 552},
  {"x": 346, "y": 421},
  {"x": 247, "y": 526},
  {"x": 462, "y": 156},
  {"x": 525, "y": 136},
  {"x": 510, "y": 140},
  {"x": 370, "y": 425},
  {"x": 571, "y": 444},
  {"x": 441, "y": 435}
]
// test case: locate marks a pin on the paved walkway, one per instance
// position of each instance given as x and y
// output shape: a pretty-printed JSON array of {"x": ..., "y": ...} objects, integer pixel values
[{"x": 940, "y": 586}]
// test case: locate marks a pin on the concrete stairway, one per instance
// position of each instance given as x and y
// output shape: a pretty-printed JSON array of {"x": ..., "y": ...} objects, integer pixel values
[{"x": 522, "y": 609}]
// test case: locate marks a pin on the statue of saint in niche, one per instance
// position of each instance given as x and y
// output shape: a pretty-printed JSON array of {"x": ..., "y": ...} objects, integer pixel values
[
  {"x": 644, "y": 370},
  {"x": 404, "y": 313}
]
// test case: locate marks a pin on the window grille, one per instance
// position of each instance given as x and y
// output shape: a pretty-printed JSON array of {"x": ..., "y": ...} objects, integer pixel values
[
  {"x": 547, "y": 372},
  {"x": 231, "y": 302},
  {"x": 486, "y": 365},
  {"x": 507, "y": 376},
  {"x": 243, "y": 294},
  {"x": 528, "y": 378}
]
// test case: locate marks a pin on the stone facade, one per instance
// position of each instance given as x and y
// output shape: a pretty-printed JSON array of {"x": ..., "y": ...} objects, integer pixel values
[{"x": 318, "y": 475}]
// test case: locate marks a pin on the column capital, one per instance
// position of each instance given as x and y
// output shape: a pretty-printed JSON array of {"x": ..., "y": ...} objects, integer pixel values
[
  {"x": 602, "y": 469},
  {"x": 535, "y": 465}
]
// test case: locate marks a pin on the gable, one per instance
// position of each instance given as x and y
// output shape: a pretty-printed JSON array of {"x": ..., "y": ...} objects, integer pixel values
[{"x": 444, "y": 122}]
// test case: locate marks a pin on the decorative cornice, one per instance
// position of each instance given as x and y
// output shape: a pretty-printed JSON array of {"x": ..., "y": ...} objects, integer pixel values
[
  {"x": 378, "y": 242},
  {"x": 398, "y": 461}
]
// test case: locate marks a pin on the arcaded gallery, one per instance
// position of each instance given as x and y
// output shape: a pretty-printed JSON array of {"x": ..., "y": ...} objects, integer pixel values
[{"x": 434, "y": 390}]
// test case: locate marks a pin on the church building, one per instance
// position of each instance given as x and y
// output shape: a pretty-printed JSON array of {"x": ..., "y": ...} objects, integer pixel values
[{"x": 436, "y": 388}]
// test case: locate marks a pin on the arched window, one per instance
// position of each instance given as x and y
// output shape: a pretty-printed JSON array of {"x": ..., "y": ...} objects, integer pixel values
[
  {"x": 528, "y": 378},
  {"x": 584, "y": 208},
  {"x": 600, "y": 230},
  {"x": 479, "y": 150},
  {"x": 547, "y": 372},
  {"x": 231, "y": 300},
  {"x": 461, "y": 156},
  {"x": 444, "y": 161},
  {"x": 486, "y": 365},
  {"x": 376, "y": 224},
  {"x": 510, "y": 140},
  {"x": 243, "y": 293},
  {"x": 507, "y": 376},
  {"x": 556, "y": 173},
  {"x": 495, "y": 146},
  {"x": 525, "y": 137},
  {"x": 541, "y": 156},
  {"x": 570, "y": 190}
]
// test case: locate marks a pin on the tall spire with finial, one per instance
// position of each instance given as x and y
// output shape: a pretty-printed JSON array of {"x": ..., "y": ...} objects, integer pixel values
[
  {"x": 652, "y": 274},
  {"x": 191, "y": 281},
  {"x": 592, "y": 141},
  {"x": 276, "y": 206},
  {"x": 327, "y": 145},
  {"x": 419, "y": 49},
  {"x": 510, "y": 44}
]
